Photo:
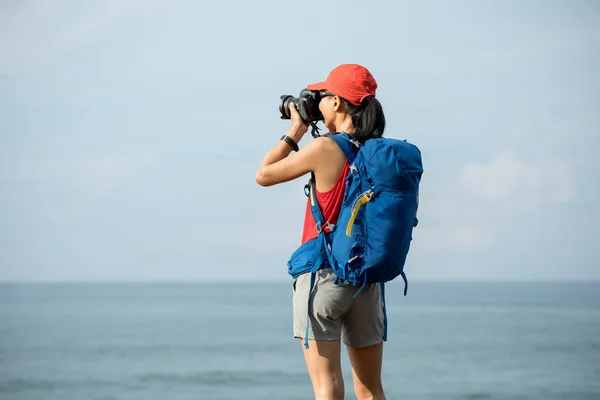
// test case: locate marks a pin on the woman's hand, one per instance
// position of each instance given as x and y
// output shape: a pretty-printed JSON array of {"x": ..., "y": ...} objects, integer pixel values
[{"x": 299, "y": 127}]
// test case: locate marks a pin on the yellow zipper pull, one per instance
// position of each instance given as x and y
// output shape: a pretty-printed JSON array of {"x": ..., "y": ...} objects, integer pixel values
[{"x": 365, "y": 198}]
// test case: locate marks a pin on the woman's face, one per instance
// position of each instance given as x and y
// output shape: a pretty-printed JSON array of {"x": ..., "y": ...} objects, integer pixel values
[{"x": 328, "y": 107}]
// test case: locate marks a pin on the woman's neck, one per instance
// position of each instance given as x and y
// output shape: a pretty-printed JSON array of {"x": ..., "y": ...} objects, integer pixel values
[{"x": 345, "y": 124}]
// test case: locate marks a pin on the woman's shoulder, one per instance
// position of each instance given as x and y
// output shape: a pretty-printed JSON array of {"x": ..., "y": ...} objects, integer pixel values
[
  {"x": 328, "y": 154},
  {"x": 326, "y": 143}
]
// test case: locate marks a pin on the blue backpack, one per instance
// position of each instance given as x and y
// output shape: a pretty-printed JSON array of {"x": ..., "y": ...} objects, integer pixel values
[{"x": 371, "y": 239}]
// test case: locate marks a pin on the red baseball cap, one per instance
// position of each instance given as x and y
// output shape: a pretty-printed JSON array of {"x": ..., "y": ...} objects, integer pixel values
[{"x": 352, "y": 82}]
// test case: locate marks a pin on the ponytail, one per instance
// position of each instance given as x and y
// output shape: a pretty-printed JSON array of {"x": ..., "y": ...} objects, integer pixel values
[{"x": 368, "y": 119}]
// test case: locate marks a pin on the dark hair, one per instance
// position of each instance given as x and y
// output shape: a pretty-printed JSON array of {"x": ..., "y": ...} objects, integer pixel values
[{"x": 368, "y": 119}]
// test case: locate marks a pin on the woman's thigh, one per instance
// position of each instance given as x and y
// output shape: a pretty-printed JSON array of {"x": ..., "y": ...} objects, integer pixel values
[
  {"x": 324, "y": 313},
  {"x": 363, "y": 323}
]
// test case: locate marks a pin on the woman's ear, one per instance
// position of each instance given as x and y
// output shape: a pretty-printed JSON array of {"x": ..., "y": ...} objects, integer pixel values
[{"x": 337, "y": 103}]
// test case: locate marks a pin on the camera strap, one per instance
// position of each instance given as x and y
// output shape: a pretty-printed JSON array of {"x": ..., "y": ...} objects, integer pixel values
[{"x": 315, "y": 129}]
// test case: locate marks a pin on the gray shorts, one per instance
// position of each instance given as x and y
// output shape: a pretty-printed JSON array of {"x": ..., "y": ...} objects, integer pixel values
[{"x": 335, "y": 314}]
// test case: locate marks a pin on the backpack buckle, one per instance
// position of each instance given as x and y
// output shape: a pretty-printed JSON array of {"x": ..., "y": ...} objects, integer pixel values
[{"x": 328, "y": 225}]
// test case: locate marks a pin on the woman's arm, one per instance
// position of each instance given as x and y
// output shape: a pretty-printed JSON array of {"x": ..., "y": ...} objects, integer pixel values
[
  {"x": 283, "y": 149},
  {"x": 277, "y": 167}
]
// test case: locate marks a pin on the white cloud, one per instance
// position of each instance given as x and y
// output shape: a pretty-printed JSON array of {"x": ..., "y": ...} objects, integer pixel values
[
  {"x": 449, "y": 237},
  {"x": 469, "y": 209},
  {"x": 508, "y": 178}
]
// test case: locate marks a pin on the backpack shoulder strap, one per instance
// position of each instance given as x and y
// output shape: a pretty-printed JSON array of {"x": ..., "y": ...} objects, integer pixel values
[
  {"x": 311, "y": 192},
  {"x": 348, "y": 145}
]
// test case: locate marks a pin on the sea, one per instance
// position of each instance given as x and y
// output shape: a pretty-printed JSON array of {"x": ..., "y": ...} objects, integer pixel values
[{"x": 225, "y": 341}]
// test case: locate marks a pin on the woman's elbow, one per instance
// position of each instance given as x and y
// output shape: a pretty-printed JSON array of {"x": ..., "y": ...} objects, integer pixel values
[{"x": 261, "y": 179}]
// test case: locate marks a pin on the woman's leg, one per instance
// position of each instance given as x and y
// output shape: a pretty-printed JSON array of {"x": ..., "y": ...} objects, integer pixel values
[
  {"x": 324, "y": 368},
  {"x": 366, "y": 371},
  {"x": 363, "y": 333},
  {"x": 328, "y": 304}
]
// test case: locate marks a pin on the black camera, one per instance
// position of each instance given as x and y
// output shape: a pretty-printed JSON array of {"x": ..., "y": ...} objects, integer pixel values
[{"x": 307, "y": 105}]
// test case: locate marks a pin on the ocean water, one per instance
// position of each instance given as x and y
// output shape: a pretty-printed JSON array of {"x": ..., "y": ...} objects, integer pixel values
[{"x": 233, "y": 341}]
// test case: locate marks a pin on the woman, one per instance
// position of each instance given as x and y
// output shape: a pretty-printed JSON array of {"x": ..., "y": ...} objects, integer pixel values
[{"x": 348, "y": 104}]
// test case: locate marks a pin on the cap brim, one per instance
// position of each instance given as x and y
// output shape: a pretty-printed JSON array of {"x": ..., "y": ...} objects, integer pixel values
[{"x": 317, "y": 86}]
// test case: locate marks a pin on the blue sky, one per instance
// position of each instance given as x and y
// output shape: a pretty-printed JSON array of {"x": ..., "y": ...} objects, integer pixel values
[{"x": 130, "y": 133}]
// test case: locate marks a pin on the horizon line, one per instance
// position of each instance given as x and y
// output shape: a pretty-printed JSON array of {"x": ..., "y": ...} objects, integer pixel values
[{"x": 273, "y": 281}]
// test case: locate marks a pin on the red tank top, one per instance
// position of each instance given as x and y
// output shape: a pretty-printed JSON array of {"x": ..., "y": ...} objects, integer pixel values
[{"x": 330, "y": 203}]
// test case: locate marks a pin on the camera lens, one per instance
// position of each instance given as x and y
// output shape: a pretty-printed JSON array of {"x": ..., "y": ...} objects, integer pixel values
[{"x": 284, "y": 106}]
